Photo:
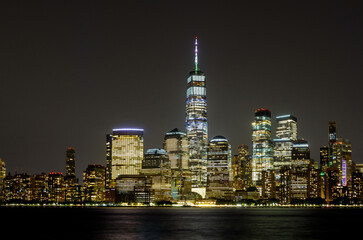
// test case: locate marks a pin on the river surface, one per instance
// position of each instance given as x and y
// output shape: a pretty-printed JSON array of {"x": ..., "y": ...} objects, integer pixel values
[{"x": 181, "y": 223}]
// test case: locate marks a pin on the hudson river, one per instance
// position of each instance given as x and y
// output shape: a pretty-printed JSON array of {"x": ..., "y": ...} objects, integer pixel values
[{"x": 181, "y": 223}]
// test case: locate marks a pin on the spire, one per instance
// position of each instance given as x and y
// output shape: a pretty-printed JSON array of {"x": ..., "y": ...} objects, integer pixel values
[{"x": 196, "y": 54}]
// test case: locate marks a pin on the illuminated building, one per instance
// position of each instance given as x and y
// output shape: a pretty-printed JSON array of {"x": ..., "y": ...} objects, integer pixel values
[
  {"x": 156, "y": 169},
  {"x": 39, "y": 187},
  {"x": 132, "y": 188},
  {"x": 196, "y": 125},
  {"x": 332, "y": 132},
  {"x": 315, "y": 184},
  {"x": 176, "y": 145},
  {"x": 2, "y": 177},
  {"x": 70, "y": 162},
  {"x": 124, "y": 152},
  {"x": 17, "y": 188},
  {"x": 70, "y": 180},
  {"x": 268, "y": 184},
  {"x": 357, "y": 186},
  {"x": 300, "y": 153},
  {"x": 94, "y": 182},
  {"x": 331, "y": 184},
  {"x": 283, "y": 189},
  {"x": 56, "y": 187},
  {"x": 286, "y": 133},
  {"x": 242, "y": 169},
  {"x": 300, "y": 162},
  {"x": 342, "y": 159},
  {"x": 262, "y": 156},
  {"x": 219, "y": 178},
  {"x": 325, "y": 158}
]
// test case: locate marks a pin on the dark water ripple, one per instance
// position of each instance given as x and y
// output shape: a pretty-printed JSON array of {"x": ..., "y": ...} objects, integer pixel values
[{"x": 181, "y": 223}]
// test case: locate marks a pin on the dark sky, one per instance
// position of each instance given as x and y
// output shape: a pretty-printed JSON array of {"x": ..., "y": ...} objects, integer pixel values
[{"x": 72, "y": 71}]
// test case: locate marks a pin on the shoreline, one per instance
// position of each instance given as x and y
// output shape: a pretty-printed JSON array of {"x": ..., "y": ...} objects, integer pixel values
[{"x": 23, "y": 205}]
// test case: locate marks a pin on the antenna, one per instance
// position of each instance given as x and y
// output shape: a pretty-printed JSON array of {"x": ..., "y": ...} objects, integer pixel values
[{"x": 196, "y": 54}]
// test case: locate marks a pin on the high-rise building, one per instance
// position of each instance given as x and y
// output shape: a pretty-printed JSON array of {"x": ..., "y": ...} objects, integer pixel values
[
  {"x": 262, "y": 157},
  {"x": 156, "y": 168},
  {"x": 70, "y": 181},
  {"x": 325, "y": 162},
  {"x": 70, "y": 162},
  {"x": 94, "y": 181},
  {"x": 124, "y": 152},
  {"x": 219, "y": 178},
  {"x": 342, "y": 159},
  {"x": 196, "y": 124},
  {"x": 332, "y": 132},
  {"x": 300, "y": 170},
  {"x": 242, "y": 169},
  {"x": 177, "y": 146},
  {"x": 56, "y": 187},
  {"x": 2, "y": 177},
  {"x": 286, "y": 133}
]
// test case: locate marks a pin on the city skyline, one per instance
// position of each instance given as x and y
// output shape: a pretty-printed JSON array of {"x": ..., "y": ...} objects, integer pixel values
[{"x": 49, "y": 113}]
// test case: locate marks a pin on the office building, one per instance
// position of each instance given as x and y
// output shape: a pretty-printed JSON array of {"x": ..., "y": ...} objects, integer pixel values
[
  {"x": 242, "y": 169},
  {"x": 286, "y": 134},
  {"x": 300, "y": 163},
  {"x": 94, "y": 182},
  {"x": 262, "y": 152},
  {"x": 342, "y": 159},
  {"x": 56, "y": 187},
  {"x": 124, "y": 152},
  {"x": 177, "y": 146},
  {"x": 219, "y": 178},
  {"x": 156, "y": 169},
  {"x": 196, "y": 125},
  {"x": 2, "y": 177},
  {"x": 70, "y": 181}
]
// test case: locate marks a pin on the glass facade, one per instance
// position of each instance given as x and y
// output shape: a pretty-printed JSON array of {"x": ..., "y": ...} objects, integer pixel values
[
  {"x": 196, "y": 124},
  {"x": 156, "y": 168},
  {"x": 300, "y": 169},
  {"x": 125, "y": 150},
  {"x": 342, "y": 159},
  {"x": 177, "y": 147},
  {"x": 220, "y": 176},
  {"x": 286, "y": 133},
  {"x": 262, "y": 156}
]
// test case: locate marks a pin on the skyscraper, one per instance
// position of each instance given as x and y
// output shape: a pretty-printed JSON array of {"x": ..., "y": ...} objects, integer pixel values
[
  {"x": 300, "y": 169},
  {"x": 94, "y": 180},
  {"x": 219, "y": 176},
  {"x": 332, "y": 132},
  {"x": 262, "y": 157},
  {"x": 156, "y": 169},
  {"x": 286, "y": 133},
  {"x": 176, "y": 145},
  {"x": 124, "y": 152},
  {"x": 342, "y": 159},
  {"x": 196, "y": 123},
  {"x": 70, "y": 162},
  {"x": 70, "y": 180}
]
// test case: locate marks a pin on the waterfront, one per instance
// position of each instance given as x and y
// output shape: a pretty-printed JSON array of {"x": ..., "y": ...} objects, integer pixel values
[{"x": 181, "y": 223}]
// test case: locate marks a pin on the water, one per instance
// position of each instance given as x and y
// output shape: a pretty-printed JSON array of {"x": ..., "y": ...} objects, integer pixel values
[{"x": 181, "y": 223}]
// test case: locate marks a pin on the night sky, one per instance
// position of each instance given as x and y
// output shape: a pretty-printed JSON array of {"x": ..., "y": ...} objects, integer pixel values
[{"x": 72, "y": 71}]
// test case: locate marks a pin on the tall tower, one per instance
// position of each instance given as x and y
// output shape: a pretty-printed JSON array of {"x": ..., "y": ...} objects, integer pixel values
[
  {"x": 262, "y": 158},
  {"x": 196, "y": 123},
  {"x": 70, "y": 162},
  {"x": 286, "y": 134},
  {"x": 177, "y": 147},
  {"x": 219, "y": 168}
]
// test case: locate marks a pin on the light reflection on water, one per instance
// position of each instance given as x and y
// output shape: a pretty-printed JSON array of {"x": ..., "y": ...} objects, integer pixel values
[{"x": 183, "y": 223}]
